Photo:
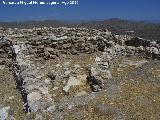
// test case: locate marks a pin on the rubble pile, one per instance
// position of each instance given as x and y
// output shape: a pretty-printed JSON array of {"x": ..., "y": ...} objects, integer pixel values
[{"x": 5, "y": 51}]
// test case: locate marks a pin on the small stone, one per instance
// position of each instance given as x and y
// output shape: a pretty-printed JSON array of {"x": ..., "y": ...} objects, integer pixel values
[
  {"x": 34, "y": 96},
  {"x": 2, "y": 67},
  {"x": 97, "y": 59},
  {"x": 94, "y": 83},
  {"x": 72, "y": 81},
  {"x": 76, "y": 66},
  {"x": 94, "y": 71},
  {"x": 67, "y": 73},
  {"x": 95, "y": 88},
  {"x": 58, "y": 65},
  {"x": 55, "y": 88},
  {"x": 4, "y": 113},
  {"x": 47, "y": 81},
  {"x": 52, "y": 56},
  {"x": 51, "y": 108},
  {"x": 2, "y": 62},
  {"x": 11, "y": 97}
]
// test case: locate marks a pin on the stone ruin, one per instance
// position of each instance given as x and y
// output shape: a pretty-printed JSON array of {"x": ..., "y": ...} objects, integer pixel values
[{"x": 26, "y": 51}]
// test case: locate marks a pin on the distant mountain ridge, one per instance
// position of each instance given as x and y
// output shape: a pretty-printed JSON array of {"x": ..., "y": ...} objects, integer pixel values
[{"x": 143, "y": 29}]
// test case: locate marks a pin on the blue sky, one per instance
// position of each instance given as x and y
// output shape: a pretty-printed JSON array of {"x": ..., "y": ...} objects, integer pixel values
[{"x": 85, "y": 10}]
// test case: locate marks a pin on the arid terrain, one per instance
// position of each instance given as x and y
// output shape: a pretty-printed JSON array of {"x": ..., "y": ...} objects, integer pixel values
[{"x": 78, "y": 74}]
